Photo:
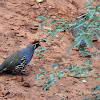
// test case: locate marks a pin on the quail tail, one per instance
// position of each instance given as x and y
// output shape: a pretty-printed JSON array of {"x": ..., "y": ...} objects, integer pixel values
[{"x": 1, "y": 68}]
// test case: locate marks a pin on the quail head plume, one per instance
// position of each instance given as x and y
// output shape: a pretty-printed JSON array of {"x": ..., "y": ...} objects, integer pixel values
[{"x": 20, "y": 59}]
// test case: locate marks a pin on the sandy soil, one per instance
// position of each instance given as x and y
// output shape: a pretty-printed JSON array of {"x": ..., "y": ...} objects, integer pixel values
[{"x": 17, "y": 30}]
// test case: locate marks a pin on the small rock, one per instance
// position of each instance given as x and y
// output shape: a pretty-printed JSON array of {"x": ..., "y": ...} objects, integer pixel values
[
  {"x": 34, "y": 28},
  {"x": 13, "y": 78},
  {"x": 61, "y": 84},
  {"x": 2, "y": 4},
  {"x": 26, "y": 84},
  {"x": 31, "y": 3},
  {"x": 34, "y": 84},
  {"x": 71, "y": 1},
  {"x": 39, "y": 1},
  {"x": 7, "y": 79},
  {"x": 3, "y": 56},
  {"x": 42, "y": 95},
  {"x": 84, "y": 81},
  {"x": 36, "y": 6},
  {"x": 36, "y": 25},
  {"x": 7, "y": 83},
  {"x": 19, "y": 78}
]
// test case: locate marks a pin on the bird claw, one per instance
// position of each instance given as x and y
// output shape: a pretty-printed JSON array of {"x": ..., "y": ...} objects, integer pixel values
[{"x": 24, "y": 73}]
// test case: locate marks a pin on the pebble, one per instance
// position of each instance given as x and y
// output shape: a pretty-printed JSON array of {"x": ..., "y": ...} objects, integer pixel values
[
  {"x": 26, "y": 84},
  {"x": 84, "y": 81},
  {"x": 19, "y": 78}
]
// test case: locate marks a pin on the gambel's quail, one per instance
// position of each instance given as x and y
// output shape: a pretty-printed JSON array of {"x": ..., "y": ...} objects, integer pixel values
[
  {"x": 77, "y": 30},
  {"x": 20, "y": 59}
]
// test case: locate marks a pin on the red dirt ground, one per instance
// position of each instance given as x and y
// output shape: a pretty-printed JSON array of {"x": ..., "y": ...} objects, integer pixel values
[{"x": 17, "y": 30}]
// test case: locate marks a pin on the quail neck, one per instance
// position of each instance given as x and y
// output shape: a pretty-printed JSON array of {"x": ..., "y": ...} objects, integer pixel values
[{"x": 29, "y": 51}]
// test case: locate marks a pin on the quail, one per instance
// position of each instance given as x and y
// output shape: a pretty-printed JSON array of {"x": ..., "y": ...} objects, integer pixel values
[
  {"x": 77, "y": 30},
  {"x": 20, "y": 59}
]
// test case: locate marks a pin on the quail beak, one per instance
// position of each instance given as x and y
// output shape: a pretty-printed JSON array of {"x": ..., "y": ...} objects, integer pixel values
[{"x": 39, "y": 45}]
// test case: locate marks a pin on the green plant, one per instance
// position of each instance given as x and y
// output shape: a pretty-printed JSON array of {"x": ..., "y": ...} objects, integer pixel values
[
  {"x": 92, "y": 26},
  {"x": 96, "y": 96}
]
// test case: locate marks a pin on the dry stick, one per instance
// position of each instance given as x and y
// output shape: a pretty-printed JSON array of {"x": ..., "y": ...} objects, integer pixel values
[
  {"x": 58, "y": 94},
  {"x": 52, "y": 91},
  {"x": 80, "y": 77},
  {"x": 57, "y": 40}
]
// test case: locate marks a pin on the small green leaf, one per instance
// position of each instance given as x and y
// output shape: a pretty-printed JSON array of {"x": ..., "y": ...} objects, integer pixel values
[
  {"x": 50, "y": 51},
  {"x": 39, "y": 76},
  {"x": 41, "y": 17},
  {"x": 38, "y": 53},
  {"x": 87, "y": 98},
  {"x": 49, "y": 83},
  {"x": 80, "y": 23},
  {"x": 53, "y": 75},
  {"x": 41, "y": 25},
  {"x": 41, "y": 69},
  {"x": 53, "y": 34},
  {"x": 54, "y": 21},
  {"x": 79, "y": 39},
  {"x": 88, "y": 41},
  {"x": 97, "y": 34},
  {"x": 60, "y": 74},
  {"x": 63, "y": 99},
  {"x": 57, "y": 30},
  {"x": 96, "y": 88},
  {"x": 44, "y": 71},
  {"x": 47, "y": 78},
  {"x": 87, "y": 6},
  {"x": 55, "y": 66},
  {"x": 91, "y": 12},
  {"x": 98, "y": 12},
  {"x": 48, "y": 20},
  {"x": 56, "y": 25},
  {"x": 69, "y": 49}
]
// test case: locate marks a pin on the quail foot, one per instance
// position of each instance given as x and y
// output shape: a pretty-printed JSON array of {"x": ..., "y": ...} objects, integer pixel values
[
  {"x": 20, "y": 59},
  {"x": 77, "y": 30}
]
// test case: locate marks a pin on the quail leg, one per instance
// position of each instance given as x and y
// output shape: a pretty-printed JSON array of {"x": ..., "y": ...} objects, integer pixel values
[{"x": 14, "y": 73}]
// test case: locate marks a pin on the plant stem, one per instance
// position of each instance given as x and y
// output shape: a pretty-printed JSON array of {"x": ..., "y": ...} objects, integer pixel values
[{"x": 57, "y": 40}]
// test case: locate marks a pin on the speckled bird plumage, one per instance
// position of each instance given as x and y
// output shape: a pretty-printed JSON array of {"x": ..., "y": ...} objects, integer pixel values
[
  {"x": 77, "y": 30},
  {"x": 20, "y": 59}
]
